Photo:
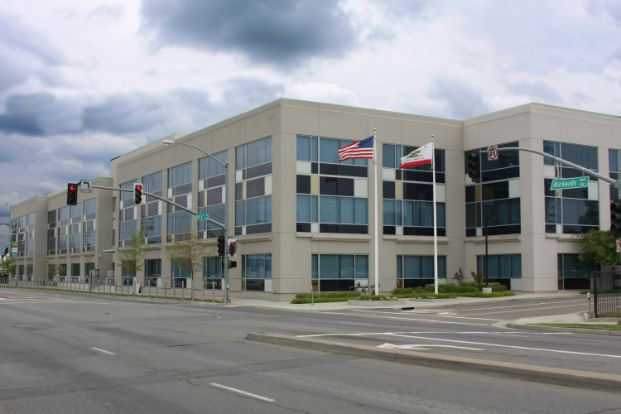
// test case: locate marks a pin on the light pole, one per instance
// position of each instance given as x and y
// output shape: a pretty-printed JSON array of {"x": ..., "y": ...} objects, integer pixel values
[{"x": 225, "y": 270}]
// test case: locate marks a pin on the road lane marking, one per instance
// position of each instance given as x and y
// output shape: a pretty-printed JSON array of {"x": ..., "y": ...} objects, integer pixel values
[
  {"x": 513, "y": 334},
  {"x": 423, "y": 347},
  {"x": 103, "y": 351},
  {"x": 440, "y": 315},
  {"x": 524, "y": 310},
  {"x": 526, "y": 305},
  {"x": 242, "y": 392},
  {"x": 525, "y": 348},
  {"x": 406, "y": 319}
]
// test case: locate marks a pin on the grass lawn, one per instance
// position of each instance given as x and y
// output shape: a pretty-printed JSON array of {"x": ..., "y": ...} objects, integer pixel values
[{"x": 607, "y": 327}]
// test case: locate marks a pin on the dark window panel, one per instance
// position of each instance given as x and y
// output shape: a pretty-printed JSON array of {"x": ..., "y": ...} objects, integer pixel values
[
  {"x": 501, "y": 174},
  {"x": 390, "y": 230},
  {"x": 511, "y": 229},
  {"x": 259, "y": 170},
  {"x": 215, "y": 181},
  {"x": 259, "y": 228},
  {"x": 336, "y": 186},
  {"x": 550, "y": 228},
  {"x": 398, "y": 174},
  {"x": 238, "y": 231},
  {"x": 576, "y": 229},
  {"x": 496, "y": 190},
  {"x": 388, "y": 189},
  {"x": 303, "y": 227},
  {"x": 414, "y": 191},
  {"x": 581, "y": 193},
  {"x": 255, "y": 188},
  {"x": 471, "y": 232},
  {"x": 423, "y": 231},
  {"x": 303, "y": 184},
  {"x": 214, "y": 196},
  {"x": 346, "y": 170},
  {"x": 470, "y": 194},
  {"x": 314, "y": 168},
  {"x": 182, "y": 189},
  {"x": 343, "y": 228},
  {"x": 239, "y": 191}
]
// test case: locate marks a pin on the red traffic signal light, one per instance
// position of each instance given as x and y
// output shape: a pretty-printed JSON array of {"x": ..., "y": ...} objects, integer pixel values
[
  {"x": 137, "y": 193},
  {"x": 72, "y": 194}
]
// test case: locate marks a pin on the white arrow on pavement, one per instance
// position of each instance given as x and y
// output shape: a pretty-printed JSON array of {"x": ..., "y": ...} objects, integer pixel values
[{"x": 424, "y": 347}]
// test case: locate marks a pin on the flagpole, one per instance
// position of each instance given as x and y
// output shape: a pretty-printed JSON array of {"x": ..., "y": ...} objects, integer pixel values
[
  {"x": 375, "y": 214},
  {"x": 435, "y": 219}
]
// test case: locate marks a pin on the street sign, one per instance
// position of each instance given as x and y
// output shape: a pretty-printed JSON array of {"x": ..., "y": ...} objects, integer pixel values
[
  {"x": 569, "y": 183},
  {"x": 13, "y": 251},
  {"x": 86, "y": 186},
  {"x": 492, "y": 153},
  {"x": 202, "y": 217},
  {"x": 618, "y": 245}
]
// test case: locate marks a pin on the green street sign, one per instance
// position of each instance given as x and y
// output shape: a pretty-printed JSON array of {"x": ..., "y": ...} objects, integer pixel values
[
  {"x": 202, "y": 217},
  {"x": 569, "y": 183}
]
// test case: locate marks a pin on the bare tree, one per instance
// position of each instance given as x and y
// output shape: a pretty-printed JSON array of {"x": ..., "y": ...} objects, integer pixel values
[{"x": 189, "y": 254}]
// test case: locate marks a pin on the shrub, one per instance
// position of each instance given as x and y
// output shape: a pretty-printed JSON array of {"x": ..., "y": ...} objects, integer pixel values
[{"x": 459, "y": 276}]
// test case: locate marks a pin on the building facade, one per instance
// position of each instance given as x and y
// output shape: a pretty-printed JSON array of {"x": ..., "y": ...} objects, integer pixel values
[{"x": 303, "y": 220}]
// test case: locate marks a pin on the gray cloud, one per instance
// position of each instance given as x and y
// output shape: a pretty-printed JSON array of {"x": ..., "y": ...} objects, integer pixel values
[
  {"x": 39, "y": 114},
  {"x": 461, "y": 100},
  {"x": 17, "y": 37},
  {"x": 125, "y": 114},
  {"x": 269, "y": 31}
]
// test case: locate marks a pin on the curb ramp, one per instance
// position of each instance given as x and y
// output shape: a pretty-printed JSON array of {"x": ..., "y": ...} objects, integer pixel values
[{"x": 559, "y": 376}]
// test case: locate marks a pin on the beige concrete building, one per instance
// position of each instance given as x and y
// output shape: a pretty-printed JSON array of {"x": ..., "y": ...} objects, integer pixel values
[{"x": 303, "y": 220}]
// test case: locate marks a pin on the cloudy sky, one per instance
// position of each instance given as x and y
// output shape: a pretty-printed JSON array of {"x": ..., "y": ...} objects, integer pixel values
[{"x": 84, "y": 81}]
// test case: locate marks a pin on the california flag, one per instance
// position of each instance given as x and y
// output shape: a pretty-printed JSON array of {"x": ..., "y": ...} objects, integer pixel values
[{"x": 420, "y": 156}]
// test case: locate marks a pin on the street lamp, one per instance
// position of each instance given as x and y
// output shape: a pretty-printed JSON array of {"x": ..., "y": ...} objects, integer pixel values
[{"x": 225, "y": 270}]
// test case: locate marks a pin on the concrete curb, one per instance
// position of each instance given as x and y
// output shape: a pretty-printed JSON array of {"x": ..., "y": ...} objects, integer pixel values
[{"x": 567, "y": 377}]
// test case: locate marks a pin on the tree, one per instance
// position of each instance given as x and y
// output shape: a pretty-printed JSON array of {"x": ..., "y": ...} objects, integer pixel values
[
  {"x": 598, "y": 249},
  {"x": 131, "y": 256},
  {"x": 7, "y": 265},
  {"x": 189, "y": 254}
]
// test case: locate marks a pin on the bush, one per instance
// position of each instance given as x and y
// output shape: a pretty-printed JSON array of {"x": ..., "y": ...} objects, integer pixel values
[
  {"x": 372, "y": 297},
  {"x": 298, "y": 301},
  {"x": 402, "y": 291}
]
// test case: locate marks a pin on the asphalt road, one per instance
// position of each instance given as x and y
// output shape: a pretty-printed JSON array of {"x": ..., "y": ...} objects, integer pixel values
[{"x": 65, "y": 353}]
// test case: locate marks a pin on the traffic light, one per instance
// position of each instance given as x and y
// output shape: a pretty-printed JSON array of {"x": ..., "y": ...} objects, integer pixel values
[
  {"x": 615, "y": 217},
  {"x": 232, "y": 247},
  {"x": 6, "y": 252},
  {"x": 137, "y": 193},
  {"x": 220, "y": 245},
  {"x": 72, "y": 194},
  {"x": 473, "y": 166}
]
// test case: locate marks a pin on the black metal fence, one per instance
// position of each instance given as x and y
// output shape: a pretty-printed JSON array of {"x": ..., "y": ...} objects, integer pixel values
[{"x": 607, "y": 294}]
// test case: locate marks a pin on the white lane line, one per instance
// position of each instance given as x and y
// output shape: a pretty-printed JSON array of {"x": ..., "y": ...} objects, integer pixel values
[
  {"x": 103, "y": 351},
  {"x": 418, "y": 332},
  {"x": 406, "y": 319},
  {"x": 241, "y": 392},
  {"x": 440, "y": 315},
  {"x": 527, "y": 305},
  {"x": 525, "y": 348},
  {"x": 424, "y": 347}
]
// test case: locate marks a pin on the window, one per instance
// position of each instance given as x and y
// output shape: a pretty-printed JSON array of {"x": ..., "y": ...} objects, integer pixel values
[
  {"x": 501, "y": 267},
  {"x": 414, "y": 271},
  {"x": 180, "y": 186},
  {"x": 152, "y": 208},
  {"x": 88, "y": 232},
  {"x": 331, "y": 195},
  {"x": 51, "y": 232},
  {"x": 337, "y": 272},
  {"x": 573, "y": 274},
  {"x": 253, "y": 188},
  {"x": 152, "y": 272},
  {"x": 257, "y": 272},
  {"x": 212, "y": 272},
  {"x": 408, "y": 194},
  {"x": 495, "y": 201},
  {"x": 574, "y": 211},
  {"x": 127, "y": 214},
  {"x": 212, "y": 193},
  {"x": 181, "y": 270},
  {"x": 613, "y": 167}
]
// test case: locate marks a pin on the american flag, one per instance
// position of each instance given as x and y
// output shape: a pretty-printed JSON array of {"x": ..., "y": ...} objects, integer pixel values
[{"x": 357, "y": 149}]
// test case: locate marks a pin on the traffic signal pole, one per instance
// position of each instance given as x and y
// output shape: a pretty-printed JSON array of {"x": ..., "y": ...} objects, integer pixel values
[{"x": 194, "y": 213}]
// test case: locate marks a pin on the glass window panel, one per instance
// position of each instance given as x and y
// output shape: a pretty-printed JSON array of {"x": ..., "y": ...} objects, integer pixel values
[
  {"x": 346, "y": 210},
  {"x": 303, "y": 148},
  {"x": 328, "y": 209},
  {"x": 389, "y": 212},
  {"x": 328, "y": 266},
  {"x": 412, "y": 267},
  {"x": 328, "y": 150},
  {"x": 315, "y": 266},
  {"x": 360, "y": 211},
  {"x": 303, "y": 209},
  {"x": 516, "y": 266},
  {"x": 346, "y": 270},
  {"x": 399, "y": 266},
  {"x": 362, "y": 267},
  {"x": 388, "y": 156}
]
